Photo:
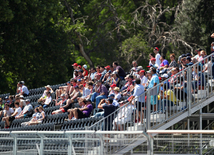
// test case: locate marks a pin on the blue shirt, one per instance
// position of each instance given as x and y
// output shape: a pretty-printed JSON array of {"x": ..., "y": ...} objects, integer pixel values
[
  {"x": 92, "y": 75},
  {"x": 154, "y": 80},
  {"x": 139, "y": 93}
]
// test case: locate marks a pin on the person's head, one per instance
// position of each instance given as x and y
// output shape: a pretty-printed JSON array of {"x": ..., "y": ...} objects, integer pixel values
[
  {"x": 162, "y": 58},
  {"x": 90, "y": 84},
  {"x": 79, "y": 67},
  {"x": 141, "y": 72},
  {"x": 48, "y": 87},
  {"x": 164, "y": 76},
  {"x": 76, "y": 73},
  {"x": 130, "y": 78},
  {"x": 152, "y": 55},
  {"x": 183, "y": 60},
  {"x": 116, "y": 90},
  {"x": 6, "y": 105},
  {"x": 156, "y": 50},
  {"x": 76, "y": 88},
  {"x": 102, "y": 68},
  {"x": 84, "y": 67},
  {"x": 48, "y": 94},
  {"x": 74, "y": 82},
  {"x": 111, "y": 68},
  {"x": 21, "y": 83},
  {"x": 111, "y": 96},
  {"x": 11, "y": 97},
  {"x": 75, "y": 66},
  {"x": 81, "y": 87},
  {"x": 99, "y": 82},
  {"x": 82, "y": 101},
  {"x": 115, "y": 64},
  {"x": 27, "y": 101},
  {"x": 153, "y": 71},
  {"x": 198, "y": 51},
  {"x": 165, "y": 86},
  {"x": 107, "y": 68},
  {"x": 92, "y": 69},
  {"x": 16, "y": 104},
  {"x": 189, "y": 55},
  {"x": 66, "y": 96},
  {"x": 98, "y": 69},
  {"x": 62, "y": 96},
  {"x": 110, "y": 100},
  {"x": 80, "y": 72},
  {"x": 113, "y": 86},
  {"x": 188, "y": 59},
  {"x": 153, "y": 60},
  {"x": 68, "y": 83},
  {"x": 98, "y": 76},
  {"x": 134, "y": 63},
  {"x": 41, "y": 109},
  {"x": 203, "y": 53},
  {"x": 137, "y": 81},
  {"x": 194, "y": 60},
  {"x": 86, "y": 78},
  {"x": 88, "y": 101},
  {"x": 6, "y": 98},
  {"x": 36, "y": 109},
  {"x": 172, "y": 56}
]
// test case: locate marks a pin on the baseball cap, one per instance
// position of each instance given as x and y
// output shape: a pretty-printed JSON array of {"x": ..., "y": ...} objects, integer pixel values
[
  {"x": 188, "y": 58},
  {"x": 111, "y": 95},
  {"x": 183, "y": 55},
  {"x": 8, "y": 101},
  {"x": 189, "y": 54},
  {"x": 159, "y": 78},
  {"x": 85, "y": 66},
  {"x": 142, "y": 71},
  {"x": 6, "y": 97},
  {"x": 79, "y": 80},
  {"x": 80, "y": 70},
  {"x": 21, "y": 96},
  {"x": 164, "y": 76},
  {"x": 75, "y": 64},
  {"x": 76, "y": 87},
  {"x": 107, "y": 67},
  {"x": 113, "y": 85},
  {"x": 153, "y": 59},
  {"x": 140, "y": 67},
  {"x": 68, "y": 82},
  {"x": 148, "y": 66},
  {"x": 131, "y": 76},
  {"x": 156, "y": 48},
  {"x": 198, "y": 50},
  {"x": 79, "y": 66}
]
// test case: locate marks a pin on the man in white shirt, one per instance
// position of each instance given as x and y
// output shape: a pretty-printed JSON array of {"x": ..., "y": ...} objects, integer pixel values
[
  {"x": 8, "y": 111},
  {"x": 24, "y": 113},
  {"x": 9, "y": 119},
  {"x": 157, "y": 56},
  {"x": 23, "y": 89},
  {"x": 143, "y": 78},
  {"x": 139, "y": 98}
]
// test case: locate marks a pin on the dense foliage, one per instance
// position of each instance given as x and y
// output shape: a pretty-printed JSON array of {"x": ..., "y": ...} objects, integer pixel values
[{"x": 40, "y": 39}]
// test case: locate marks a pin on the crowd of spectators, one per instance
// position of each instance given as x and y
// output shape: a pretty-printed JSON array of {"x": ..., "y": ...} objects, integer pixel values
[{"x": 109, "y": 87}]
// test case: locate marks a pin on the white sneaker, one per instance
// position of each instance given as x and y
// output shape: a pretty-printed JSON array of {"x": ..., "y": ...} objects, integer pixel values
[
  {"x": 68, "y": 120},
  {"x": 73, "y": 118}
]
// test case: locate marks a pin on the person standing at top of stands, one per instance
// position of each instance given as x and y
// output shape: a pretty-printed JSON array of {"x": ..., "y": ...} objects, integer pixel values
[
  {"x": 119, "y": 70},
  {"x": 153, "y": 82},
  {"x": 157, "y": 56},
  {"x": 85, "y": 72},
  {"x": 75, "y": 68},
  {"x": 107, "y": 68},
  {"x": 93, "y": 73},
  {"x": 23, "y": 90}
]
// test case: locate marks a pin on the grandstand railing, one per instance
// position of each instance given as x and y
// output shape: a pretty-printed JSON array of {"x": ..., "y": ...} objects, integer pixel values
[{"x": 157, "y": 111}]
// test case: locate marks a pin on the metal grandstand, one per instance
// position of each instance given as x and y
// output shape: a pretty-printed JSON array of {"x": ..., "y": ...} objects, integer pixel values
[{"x": 192, "y": 110}]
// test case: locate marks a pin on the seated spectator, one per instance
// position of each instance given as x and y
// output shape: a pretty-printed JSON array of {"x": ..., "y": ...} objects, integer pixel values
[
  {"x": 108, "y": 110},
  {"x": 97, "y": 77},
  {"x": 151, "y": 56},
  {"x": 47, "y": 100},
  {"x": 61, "y": 103},
  {"x": 7, "y": 112},
  {"x": 115, "y": 79},
  {"x": 90, "y": 85},
  {"x": 83, "y": 112},
  {"x": 93, "y": 73},
  {"x": 123, "y": 116},
  {"x": 100, "y": 92},
  {"x": 128, "y": 84},
  {"x": 107, "y": 79},
  {"x": 41, "y": 117},
  {"x": 63, "y": 89},
  {"x": 11, "y": 102},
  {"x": 21, "y": 101},
  {"x": 84, "y": 91},
  {"x": 102, "y": 71},
  {"x": 173, "y": 62},
  {"x": 119, "y": 70},
  {"x": 27, "y": 111},
  {"x": 36, "y": 116},
  {"x": 117, "y": 93},
  {"x": 8, "y": 120},
  {"x": 1, "y": 106},
  {"x": 85, "y": 72},
  {"x": 44, "y": 95},
  {"x": 111, "y": 89},
  {"x": 23, "y": 90},
  {"x": 164, "y": 62}
]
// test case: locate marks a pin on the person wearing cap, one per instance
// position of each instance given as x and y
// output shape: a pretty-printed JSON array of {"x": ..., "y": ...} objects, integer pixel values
[
  {"x": 60, "y": 103},
  {"x": 8, "y": 120},
  {"x": 117, "y": 93},
  {"x": 151, "y": 56},
  {"x": 100, "y": 92},
  {"x": 108, "y": 108},
  {"x": 83, "y": 112},
  {"x": 107, "y": 68},
  {"x": 23, "y": 90},
  {"x": 26, "y": 111},
  {"x": 75, "y": 68},
  {"x": 143, "y": 78},
  {"x": 119, "y": 70},
  {"x": 85, "y": 72},
  {"x": 47, "y": 100},
  {"x": 44, "y": 95},
  {"x": 97, "y": 77},
  {"x": 93, "y": 73},
  {"x": 157, "y": 56},
  {"x": 189, "y": 61},
  {"x": 199, "y": 53}
]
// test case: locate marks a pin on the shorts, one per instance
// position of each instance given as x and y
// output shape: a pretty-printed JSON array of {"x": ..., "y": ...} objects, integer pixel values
[
  {"x": 62, "y": 109},
  {"x": 80, "y": 114},
  {"x": 39, "y": 122},
  {"x": 11, "y": 118},
  {"x": 139, "y": 105}
]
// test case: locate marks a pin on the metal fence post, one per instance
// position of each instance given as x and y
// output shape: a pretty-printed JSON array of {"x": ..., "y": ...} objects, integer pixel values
[
  {"x": 148, "y": 109},
  {"x": 41, "y": 146},
  {"x": 189, "y": 85},
  {"x": 15, "y": 145}
]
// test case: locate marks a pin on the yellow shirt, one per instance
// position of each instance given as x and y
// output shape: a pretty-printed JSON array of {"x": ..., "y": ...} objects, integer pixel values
[{"x": 171, "y": 95}]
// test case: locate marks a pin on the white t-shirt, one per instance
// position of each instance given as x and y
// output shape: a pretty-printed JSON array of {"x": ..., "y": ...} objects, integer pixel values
[
  {"x": 117, "y": 97},
  {"x": 209, "y": 67},
  {"x": 157, "y": 57},
  {"x": 48, "y": 100},
  {"x": 25, "y": 90},
  {"x": 9, "y": 112},
  {"x": 27, "y": 108},
  {"x": 18, "y": 110},
  {"x": 144, "y": 80}
]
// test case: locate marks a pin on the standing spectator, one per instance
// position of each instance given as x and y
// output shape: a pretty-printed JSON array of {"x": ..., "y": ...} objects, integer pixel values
[
  {"x": 85, "y": 72},
  {"x": 199, "y": 53},
  {"x": 9, "y": 119},
  {"x": 139, "y": 98},
  {"x": 26, "y": 111},
  {"x": 115, "y": 79},
  {"x": 143, "y": 78},
  {"x": 208, "y": 66},
  {"x": 189, "y": 61},
  {"x": 23, "y": 89},
  {"x": 80, "y": 76},
  {"x": 47, "y": 101},
  {"x": 119, "y": 70},
  {"x": 164, "y": 62},
  {"x": 173, "y": 63},
  {"x": 108, "y": 110},
  {"x": 203, "y": 54},
  {"x": 75, "y": 68},
  {"x": 107, "y": 68},
  {"x": 157, "y": 56},
  {"x": 98, "y": 69}
]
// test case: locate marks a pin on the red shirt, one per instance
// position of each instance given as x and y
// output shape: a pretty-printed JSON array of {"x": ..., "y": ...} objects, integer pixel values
[{"x": 86, "y": 73}]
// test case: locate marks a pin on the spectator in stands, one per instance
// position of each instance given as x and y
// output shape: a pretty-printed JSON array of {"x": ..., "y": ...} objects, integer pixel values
[
  {"x": 8, "y": 120},
  {"x": 207, "y": 66},
  {"x": 164, "y": 62},
  {"x": 47, "y": 101},
  {"x": 199, "y": 53},
  {"x": 102, "y": 71},
  {"x": 42, "y": 116},
  {"x": 189, "y": 61},
  {"x": 108, "y": 110},
  {"x": 76, "y": 74},
  {"x": 117, "y": 93},
  {"x": 1, "y": 107},
  {"x": 139, "y": 100},
  {"x": 11, "y": 102},
  {"x": 107, "y": 68},
  {"x": 73, "y": 99},
  {"x": 198, "y": 79},
  {"x": 129, "y": 83},
  {"x": 100, "y": 92},
  {"x": 119, "y": 70},
  {"x": 63, "y": 89},
  {"x": 151, "y": 56},
  {"x": 7, "y": 112},
  {"x": 203, "y": 54},
  {"x": 173, "y": 63},
  {"x": 157, "y": 56},
  {"x": 107, "y": 79},
  {"x": 23, "y": 90},
  {"x": 123, "y": 116},
  {"x": 97, "y": 77},
  {"x": 27, "y": 111},
  {"x": 174, "y": 71},
  {"x": 83, "y": 112},
  {"x": 36, "y": 116},
  {"x": 44, "y": 95},
  {"x": 153, "y": 63},
  {"x": 20, "y": 99},
  {"x": 84, "y": 91},
  {"x": 79, "y": 67},
  {"x": 75, "y": 68},
  {"x": 115, "y": 79},
  {"x": 134, "y": 64},
  {"x": 85, "y": 72},
  {"x": 80, "y": 76},
  {"x": 115, "y": 102},
  {"x": 142, "y": 77},
  {"x": 61, "y": 103},
  {"x": 93, "y": 73},
  {"x": 153, "y": 82}
]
